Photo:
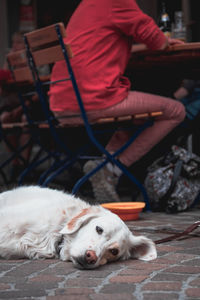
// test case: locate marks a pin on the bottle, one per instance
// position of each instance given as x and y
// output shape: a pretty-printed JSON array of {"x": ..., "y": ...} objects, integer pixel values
[
  {"x": 179, "y": 30},
  {"x": 164, "y": 21}
]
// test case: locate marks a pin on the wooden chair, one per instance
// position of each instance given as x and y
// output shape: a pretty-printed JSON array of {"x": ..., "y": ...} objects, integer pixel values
[
  {"x": 46, "y": 46},
  {"x": 24, "y": 85},
  {"x": 14, "y": 128}
]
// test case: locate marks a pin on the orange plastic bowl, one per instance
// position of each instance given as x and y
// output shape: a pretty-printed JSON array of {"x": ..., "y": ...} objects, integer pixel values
[{"x": 125, "y": 210}]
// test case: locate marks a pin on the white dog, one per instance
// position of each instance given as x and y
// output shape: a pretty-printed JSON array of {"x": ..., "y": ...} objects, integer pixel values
[{"x": 40, "y": 222}]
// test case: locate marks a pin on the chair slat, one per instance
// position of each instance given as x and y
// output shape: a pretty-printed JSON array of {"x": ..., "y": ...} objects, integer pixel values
[
  {"x": 43, "y": 36},
  {"x": 14, "y": 125},
  {"x": 49, "y": 55},
  {"x": 18, "y": 62},
  {"x": 23, "y": 74},
  {"x": 147, "y": 115},
  {"x": 17, "y": 58},
  {"x": 129, "y": 117}
]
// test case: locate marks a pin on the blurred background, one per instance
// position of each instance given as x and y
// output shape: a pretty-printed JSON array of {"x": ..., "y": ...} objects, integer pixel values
[{"x": 26, "y": 15}]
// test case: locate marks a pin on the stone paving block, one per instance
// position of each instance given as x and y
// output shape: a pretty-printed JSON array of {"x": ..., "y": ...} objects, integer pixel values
[
  {"x": 165, "y": 261},
  {"x": 118, "y": 288},
  {"x": 195, "y": 282},
  {"x": 83, "y": 282},
  {"x": 193, "y": 262},
  {"x": 4, "y": 286},
  {"x": 74, "y": 291},
  {"x": 31, "y": 292},
  {"x": 184, "y": 269},
  {"x": 169, "y": 277},
  {"x": 60, "y": 267},
  {"x": 132, "y": 271},
  {"x": 180, "y": 257},
  {"x": 72, "y": 297},
  {"x": 160, "y": 296},
  {"x": 195, "y": 251},
  {"x": 13, "y": 279},
  {"x": 29, "y": 267},
  {"x": 96, "y": 273},
  {"x": 118, "y": 296},
  {"x": 169, "y": 248},
  {"x": 193, "y": 292},
  {"x": 37, "y": 286},
  {"x": 140, "y": 265},
  {"x": 44, "y": 279},
  {"x": 5, "y": 266},
  {"x": 129, "y": 279},
  {"x": 162, "y": 286}
]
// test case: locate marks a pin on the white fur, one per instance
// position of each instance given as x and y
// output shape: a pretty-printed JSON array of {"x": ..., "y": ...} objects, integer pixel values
[{"x": 33, "y": 220}]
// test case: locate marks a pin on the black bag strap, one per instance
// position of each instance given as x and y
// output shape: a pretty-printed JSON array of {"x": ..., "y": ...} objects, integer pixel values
[{"x": 177, "y": 171}]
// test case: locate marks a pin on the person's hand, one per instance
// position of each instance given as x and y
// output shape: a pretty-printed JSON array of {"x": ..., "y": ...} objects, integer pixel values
[
  {"x": 180, "y": 93},
  {"x": 138, "y": 47},
  {"x": 172, "y": 41}
]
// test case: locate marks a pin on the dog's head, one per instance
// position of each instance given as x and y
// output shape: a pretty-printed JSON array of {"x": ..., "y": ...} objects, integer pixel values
[{"x": 98, "y": 236}]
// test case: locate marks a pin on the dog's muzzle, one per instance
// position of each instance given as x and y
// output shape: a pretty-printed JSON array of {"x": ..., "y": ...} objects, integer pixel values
[{"x": 87, "y": 261}]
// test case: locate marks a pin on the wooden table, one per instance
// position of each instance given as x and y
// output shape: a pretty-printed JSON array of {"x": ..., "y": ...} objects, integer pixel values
[{"x": 163, "y": 70}]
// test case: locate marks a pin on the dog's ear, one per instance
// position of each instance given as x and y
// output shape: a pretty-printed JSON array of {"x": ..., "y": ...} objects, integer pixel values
[
  {"x": 142, "y": 248},
  {"x": 81, "y": 219}
]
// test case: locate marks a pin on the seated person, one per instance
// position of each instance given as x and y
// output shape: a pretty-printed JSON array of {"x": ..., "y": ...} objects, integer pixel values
[{"x": 101, "y": 34}]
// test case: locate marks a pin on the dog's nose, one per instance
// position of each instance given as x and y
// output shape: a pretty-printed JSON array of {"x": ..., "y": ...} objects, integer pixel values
[{"x": 90, "y": 257}]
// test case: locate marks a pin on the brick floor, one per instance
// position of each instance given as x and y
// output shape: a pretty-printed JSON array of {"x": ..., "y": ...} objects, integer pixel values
[{"x": 175, "y": 274}]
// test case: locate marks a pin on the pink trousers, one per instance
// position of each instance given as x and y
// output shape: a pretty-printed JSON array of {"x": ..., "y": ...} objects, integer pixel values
[{"x": 136, "y": 103}]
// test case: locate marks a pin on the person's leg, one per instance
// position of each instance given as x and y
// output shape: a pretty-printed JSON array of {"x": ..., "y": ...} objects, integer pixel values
[{"x": 136, "y": 103}]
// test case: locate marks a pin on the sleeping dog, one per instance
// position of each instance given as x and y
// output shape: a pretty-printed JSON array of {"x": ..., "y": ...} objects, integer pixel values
[{"x": 38, "y": 222}]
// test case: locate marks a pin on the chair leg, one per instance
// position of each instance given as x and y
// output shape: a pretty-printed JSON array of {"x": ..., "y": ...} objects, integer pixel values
[
  {"x": 31, "y": 167},
  {"x": 111, "y": 158},
  {"x": 83, "y": 179},
  {"x": 68, "y": 163}
]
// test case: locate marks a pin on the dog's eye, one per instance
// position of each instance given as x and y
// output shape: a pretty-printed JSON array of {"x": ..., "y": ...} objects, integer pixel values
[
  {"x": 99, "y": 230},
  {"x": 114, "y": 251}
]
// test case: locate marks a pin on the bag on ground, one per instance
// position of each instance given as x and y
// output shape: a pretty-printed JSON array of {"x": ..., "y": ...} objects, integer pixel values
[{"x": 173, "y": 181}]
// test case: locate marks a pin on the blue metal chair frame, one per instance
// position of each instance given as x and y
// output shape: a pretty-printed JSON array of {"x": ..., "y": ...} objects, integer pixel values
[
  {"x": 35, "y": 138},
  {"x": 61, "y": 145},
  {"x": 89, "y": 129},
  {"x": 109, "y": 157},
  {"x": 16, "y": 153},
  {"x": 48, "y": 154}
]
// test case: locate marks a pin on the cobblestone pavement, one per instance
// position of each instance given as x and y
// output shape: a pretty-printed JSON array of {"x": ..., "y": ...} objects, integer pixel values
[{"x": 175, "y": 274}]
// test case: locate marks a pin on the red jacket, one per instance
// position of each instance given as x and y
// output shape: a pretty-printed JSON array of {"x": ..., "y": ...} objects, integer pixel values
[{"x": 101, "y": 33}]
